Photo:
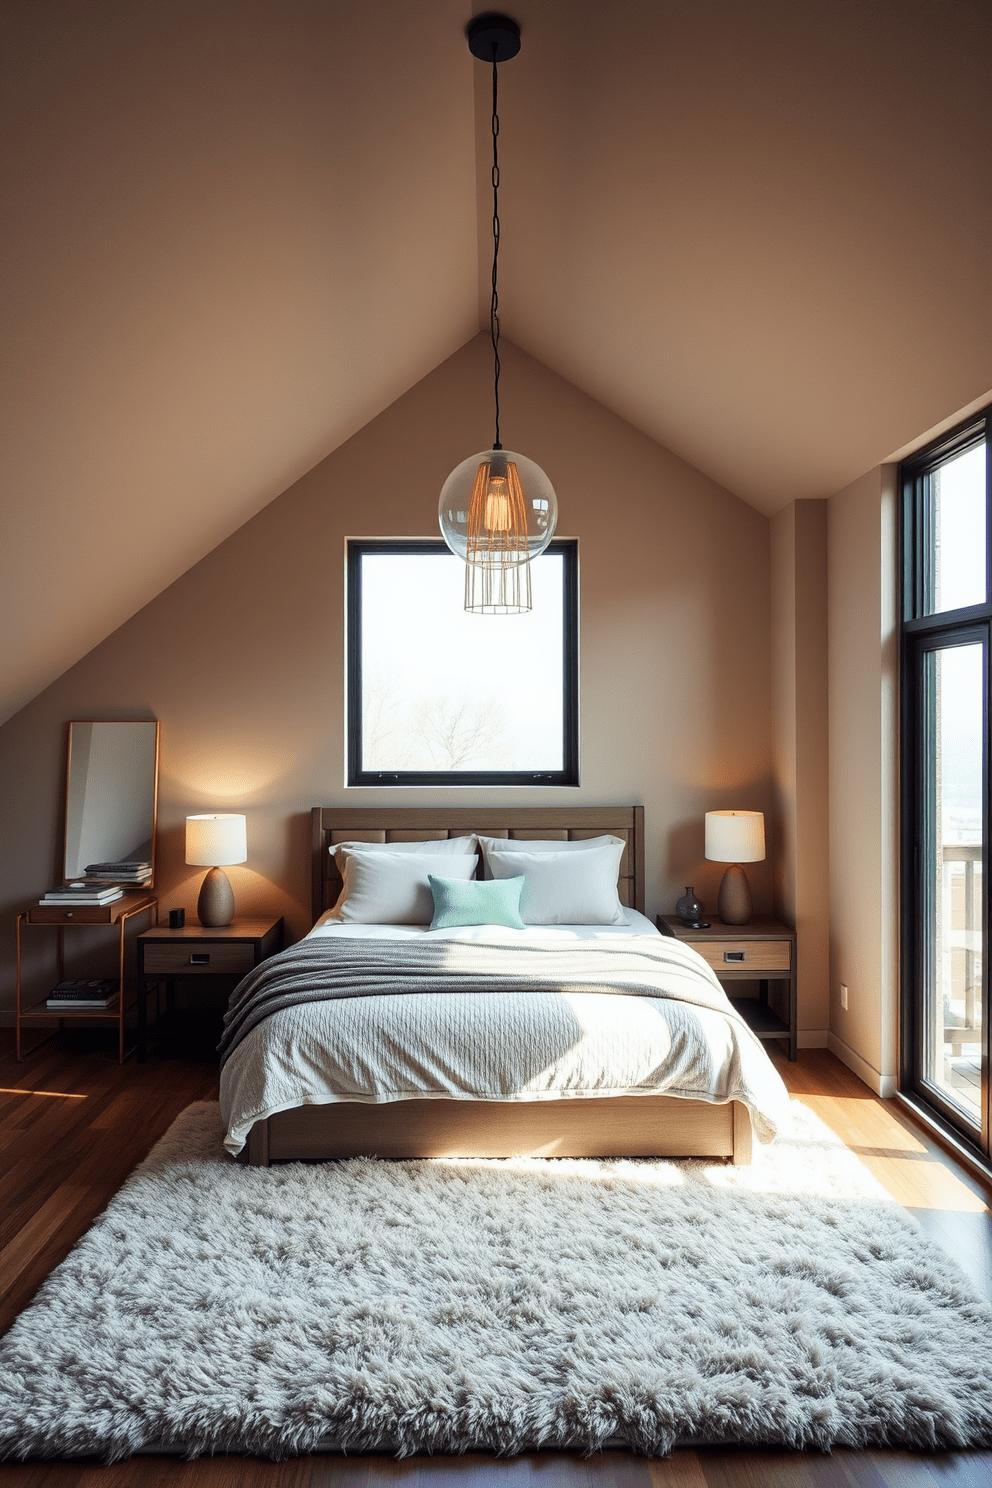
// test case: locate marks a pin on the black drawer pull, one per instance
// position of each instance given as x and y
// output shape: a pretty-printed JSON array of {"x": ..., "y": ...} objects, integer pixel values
[
  {"x": 733, "y": 955},
  {"x": 199, "y": 958}
]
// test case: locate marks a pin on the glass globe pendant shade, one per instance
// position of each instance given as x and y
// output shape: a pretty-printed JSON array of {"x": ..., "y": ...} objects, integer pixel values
[{"x": 498, "y": 509}]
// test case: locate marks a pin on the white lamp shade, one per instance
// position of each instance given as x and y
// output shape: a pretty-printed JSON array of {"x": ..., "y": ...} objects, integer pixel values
[
  {"x": 212, "y": 841},
  {"x": 735, "y": 836}
]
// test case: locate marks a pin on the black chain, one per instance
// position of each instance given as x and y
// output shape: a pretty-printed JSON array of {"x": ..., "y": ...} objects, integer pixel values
[{"x": 494, "y": 304}]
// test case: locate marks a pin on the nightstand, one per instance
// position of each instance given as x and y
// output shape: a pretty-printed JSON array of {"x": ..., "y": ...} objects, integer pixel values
[
  {"x": 763, "y": 950},
  {"x": 212, "y": 959}
]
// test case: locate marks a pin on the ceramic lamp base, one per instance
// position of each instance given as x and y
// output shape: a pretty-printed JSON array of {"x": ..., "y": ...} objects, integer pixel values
[
  {"x": 215, "y": 906},
  {"x": 734, "y": 902}
]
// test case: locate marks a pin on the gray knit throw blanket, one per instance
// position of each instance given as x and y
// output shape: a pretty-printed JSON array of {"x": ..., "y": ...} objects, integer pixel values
[{"x": 322, "y": 968}]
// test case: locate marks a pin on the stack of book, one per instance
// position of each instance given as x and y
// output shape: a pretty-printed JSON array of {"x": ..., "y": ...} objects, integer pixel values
[
  {"x": 130, "y": 872},
  {"x": 72, "y": 995},
  {"x": 83, "y": 893}
]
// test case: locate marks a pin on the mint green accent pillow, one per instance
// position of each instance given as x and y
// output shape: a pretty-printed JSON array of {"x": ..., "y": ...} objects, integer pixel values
[{"x": 470, "y": 901}]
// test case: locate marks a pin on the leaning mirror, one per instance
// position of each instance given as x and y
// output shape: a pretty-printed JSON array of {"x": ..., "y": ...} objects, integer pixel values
[{"x": 111, "y": 802}]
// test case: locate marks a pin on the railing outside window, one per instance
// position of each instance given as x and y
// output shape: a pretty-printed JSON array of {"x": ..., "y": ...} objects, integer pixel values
[{"x": 960, "y": 959}]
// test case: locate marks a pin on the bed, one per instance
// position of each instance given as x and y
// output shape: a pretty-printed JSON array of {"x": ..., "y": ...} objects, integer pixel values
[{"x": 315, "y": 1095}]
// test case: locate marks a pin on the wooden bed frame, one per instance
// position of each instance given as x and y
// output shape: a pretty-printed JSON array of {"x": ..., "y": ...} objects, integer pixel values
[{"x": 618, "y": 1126}]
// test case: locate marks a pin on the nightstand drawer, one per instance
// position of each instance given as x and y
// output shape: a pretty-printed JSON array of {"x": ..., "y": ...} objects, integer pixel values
[
  {"x": 746, "y": 955},
  {"x": 79, "y": 914},
  {"x": 206, "y": 958}
]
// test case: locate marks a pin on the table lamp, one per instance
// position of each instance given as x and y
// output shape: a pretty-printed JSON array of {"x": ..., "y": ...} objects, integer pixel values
[
  {"x": 211, "y": 841},
  {"x": 735, "y": 837}
]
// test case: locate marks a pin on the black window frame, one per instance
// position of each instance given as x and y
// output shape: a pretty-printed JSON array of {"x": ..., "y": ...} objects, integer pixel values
[
  {"x": 356, "y": 775},
  {"x": 922, "y": 633}
]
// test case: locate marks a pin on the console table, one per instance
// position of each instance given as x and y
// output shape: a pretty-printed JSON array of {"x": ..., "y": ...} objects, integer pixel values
[{"x": 63, "y": 917}]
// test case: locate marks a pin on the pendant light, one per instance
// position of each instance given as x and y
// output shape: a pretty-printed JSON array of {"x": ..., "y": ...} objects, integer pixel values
[{"x": 497, "y": 509}]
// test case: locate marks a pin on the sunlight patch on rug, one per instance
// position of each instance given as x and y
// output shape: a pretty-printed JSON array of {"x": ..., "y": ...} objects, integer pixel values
[{"x": 449, "y": 1305}]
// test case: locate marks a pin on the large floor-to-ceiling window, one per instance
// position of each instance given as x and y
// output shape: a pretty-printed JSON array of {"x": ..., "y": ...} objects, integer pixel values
[{"x": 946, "y": 634}]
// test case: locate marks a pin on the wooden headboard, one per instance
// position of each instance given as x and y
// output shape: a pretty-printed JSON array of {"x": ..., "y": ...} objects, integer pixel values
[{"x": 426, "y": 824}]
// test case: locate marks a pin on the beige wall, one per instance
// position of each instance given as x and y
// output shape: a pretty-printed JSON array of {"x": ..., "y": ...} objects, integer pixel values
[
  {"x": 241, "y": 658},
  {"x": 799, "y": 691},
  {"x": 783, "y": 670},
  {"x": 863, "y": 703}
]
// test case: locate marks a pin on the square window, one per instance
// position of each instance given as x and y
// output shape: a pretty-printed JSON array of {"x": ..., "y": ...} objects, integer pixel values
[{"x": 438, "y": 696}]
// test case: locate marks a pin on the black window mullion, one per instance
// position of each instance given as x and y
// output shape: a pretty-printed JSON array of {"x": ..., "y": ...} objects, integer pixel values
[
  {"x": 923, "y": 810},
  {"x": 986, "y": 987},
  {"x": 947, "y": 621},
  {"x": 353, "y": 658},
  {"x": 922, "y": 634}
]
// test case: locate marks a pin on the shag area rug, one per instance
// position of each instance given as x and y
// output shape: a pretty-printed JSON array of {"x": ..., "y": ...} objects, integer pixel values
[{"x": 450, "y": 1305}]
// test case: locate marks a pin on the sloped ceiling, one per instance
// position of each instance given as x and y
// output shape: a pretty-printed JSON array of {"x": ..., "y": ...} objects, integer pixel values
[
  {"x": 238, "y": 229},
  {"x": 760, "y": 230}
]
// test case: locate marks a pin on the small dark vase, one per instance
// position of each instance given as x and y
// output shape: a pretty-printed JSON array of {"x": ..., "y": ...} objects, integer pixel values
[{"x": 689, "y": 909}]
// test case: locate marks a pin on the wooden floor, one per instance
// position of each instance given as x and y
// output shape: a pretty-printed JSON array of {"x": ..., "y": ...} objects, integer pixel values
[{"x": 73, "y": 1123}]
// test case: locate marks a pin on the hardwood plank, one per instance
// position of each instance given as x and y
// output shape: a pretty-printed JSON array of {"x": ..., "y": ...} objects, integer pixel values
[
  {"x": 47, "y": 1221},
  {"x": 40, "y": 1104},
  {"x": 708, "y": 1468},
  {"x": 948, "y": 1202},
  {"x": 682, "y": 1469},
  {"x": 58, "y": 1134},
  {"x": 875, "y": 1468},
  {"x": 62, "y": 1169},
  {"x": 124, "y": 1105},
  {"x": 41, "y": 1475},
  {"x": 64, "y": 1144},
  {"x": 946, "y": 1469}
]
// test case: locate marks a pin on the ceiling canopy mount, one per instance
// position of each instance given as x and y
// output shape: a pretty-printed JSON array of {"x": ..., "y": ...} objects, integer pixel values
[{"x": 493, "y": 37}]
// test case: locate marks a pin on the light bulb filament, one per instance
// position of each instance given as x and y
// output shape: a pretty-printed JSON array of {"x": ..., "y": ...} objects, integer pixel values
[{"x": 497, "y": 518}]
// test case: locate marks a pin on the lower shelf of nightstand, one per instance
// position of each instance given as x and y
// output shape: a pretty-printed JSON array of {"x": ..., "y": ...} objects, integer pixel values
[
  {"x": 42, "y": 1010},
  {"x": 187, "y": 1034},
  {"x": 762, "y": 1020}
]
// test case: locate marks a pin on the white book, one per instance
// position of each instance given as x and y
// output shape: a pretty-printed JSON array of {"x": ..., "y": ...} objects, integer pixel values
[
  {"x": 82, "y": 891},
  {"x": 88, "y": 891},
  {"x": 81, "y": 899}
]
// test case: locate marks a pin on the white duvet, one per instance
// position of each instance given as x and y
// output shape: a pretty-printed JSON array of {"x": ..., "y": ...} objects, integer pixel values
[{"x": 535, "y": 1046}]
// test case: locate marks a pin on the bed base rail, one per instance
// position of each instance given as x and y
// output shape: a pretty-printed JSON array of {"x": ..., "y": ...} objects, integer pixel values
[{"x": 615, "y": 1126}]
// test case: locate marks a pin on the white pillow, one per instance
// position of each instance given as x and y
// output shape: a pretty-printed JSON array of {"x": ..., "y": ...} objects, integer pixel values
[
  {"x": 567, "y": 888},
  {"x": 386, "y": 888},
  {"x": 442, "y": 845},
  {"x": 522, "y": 845}
]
